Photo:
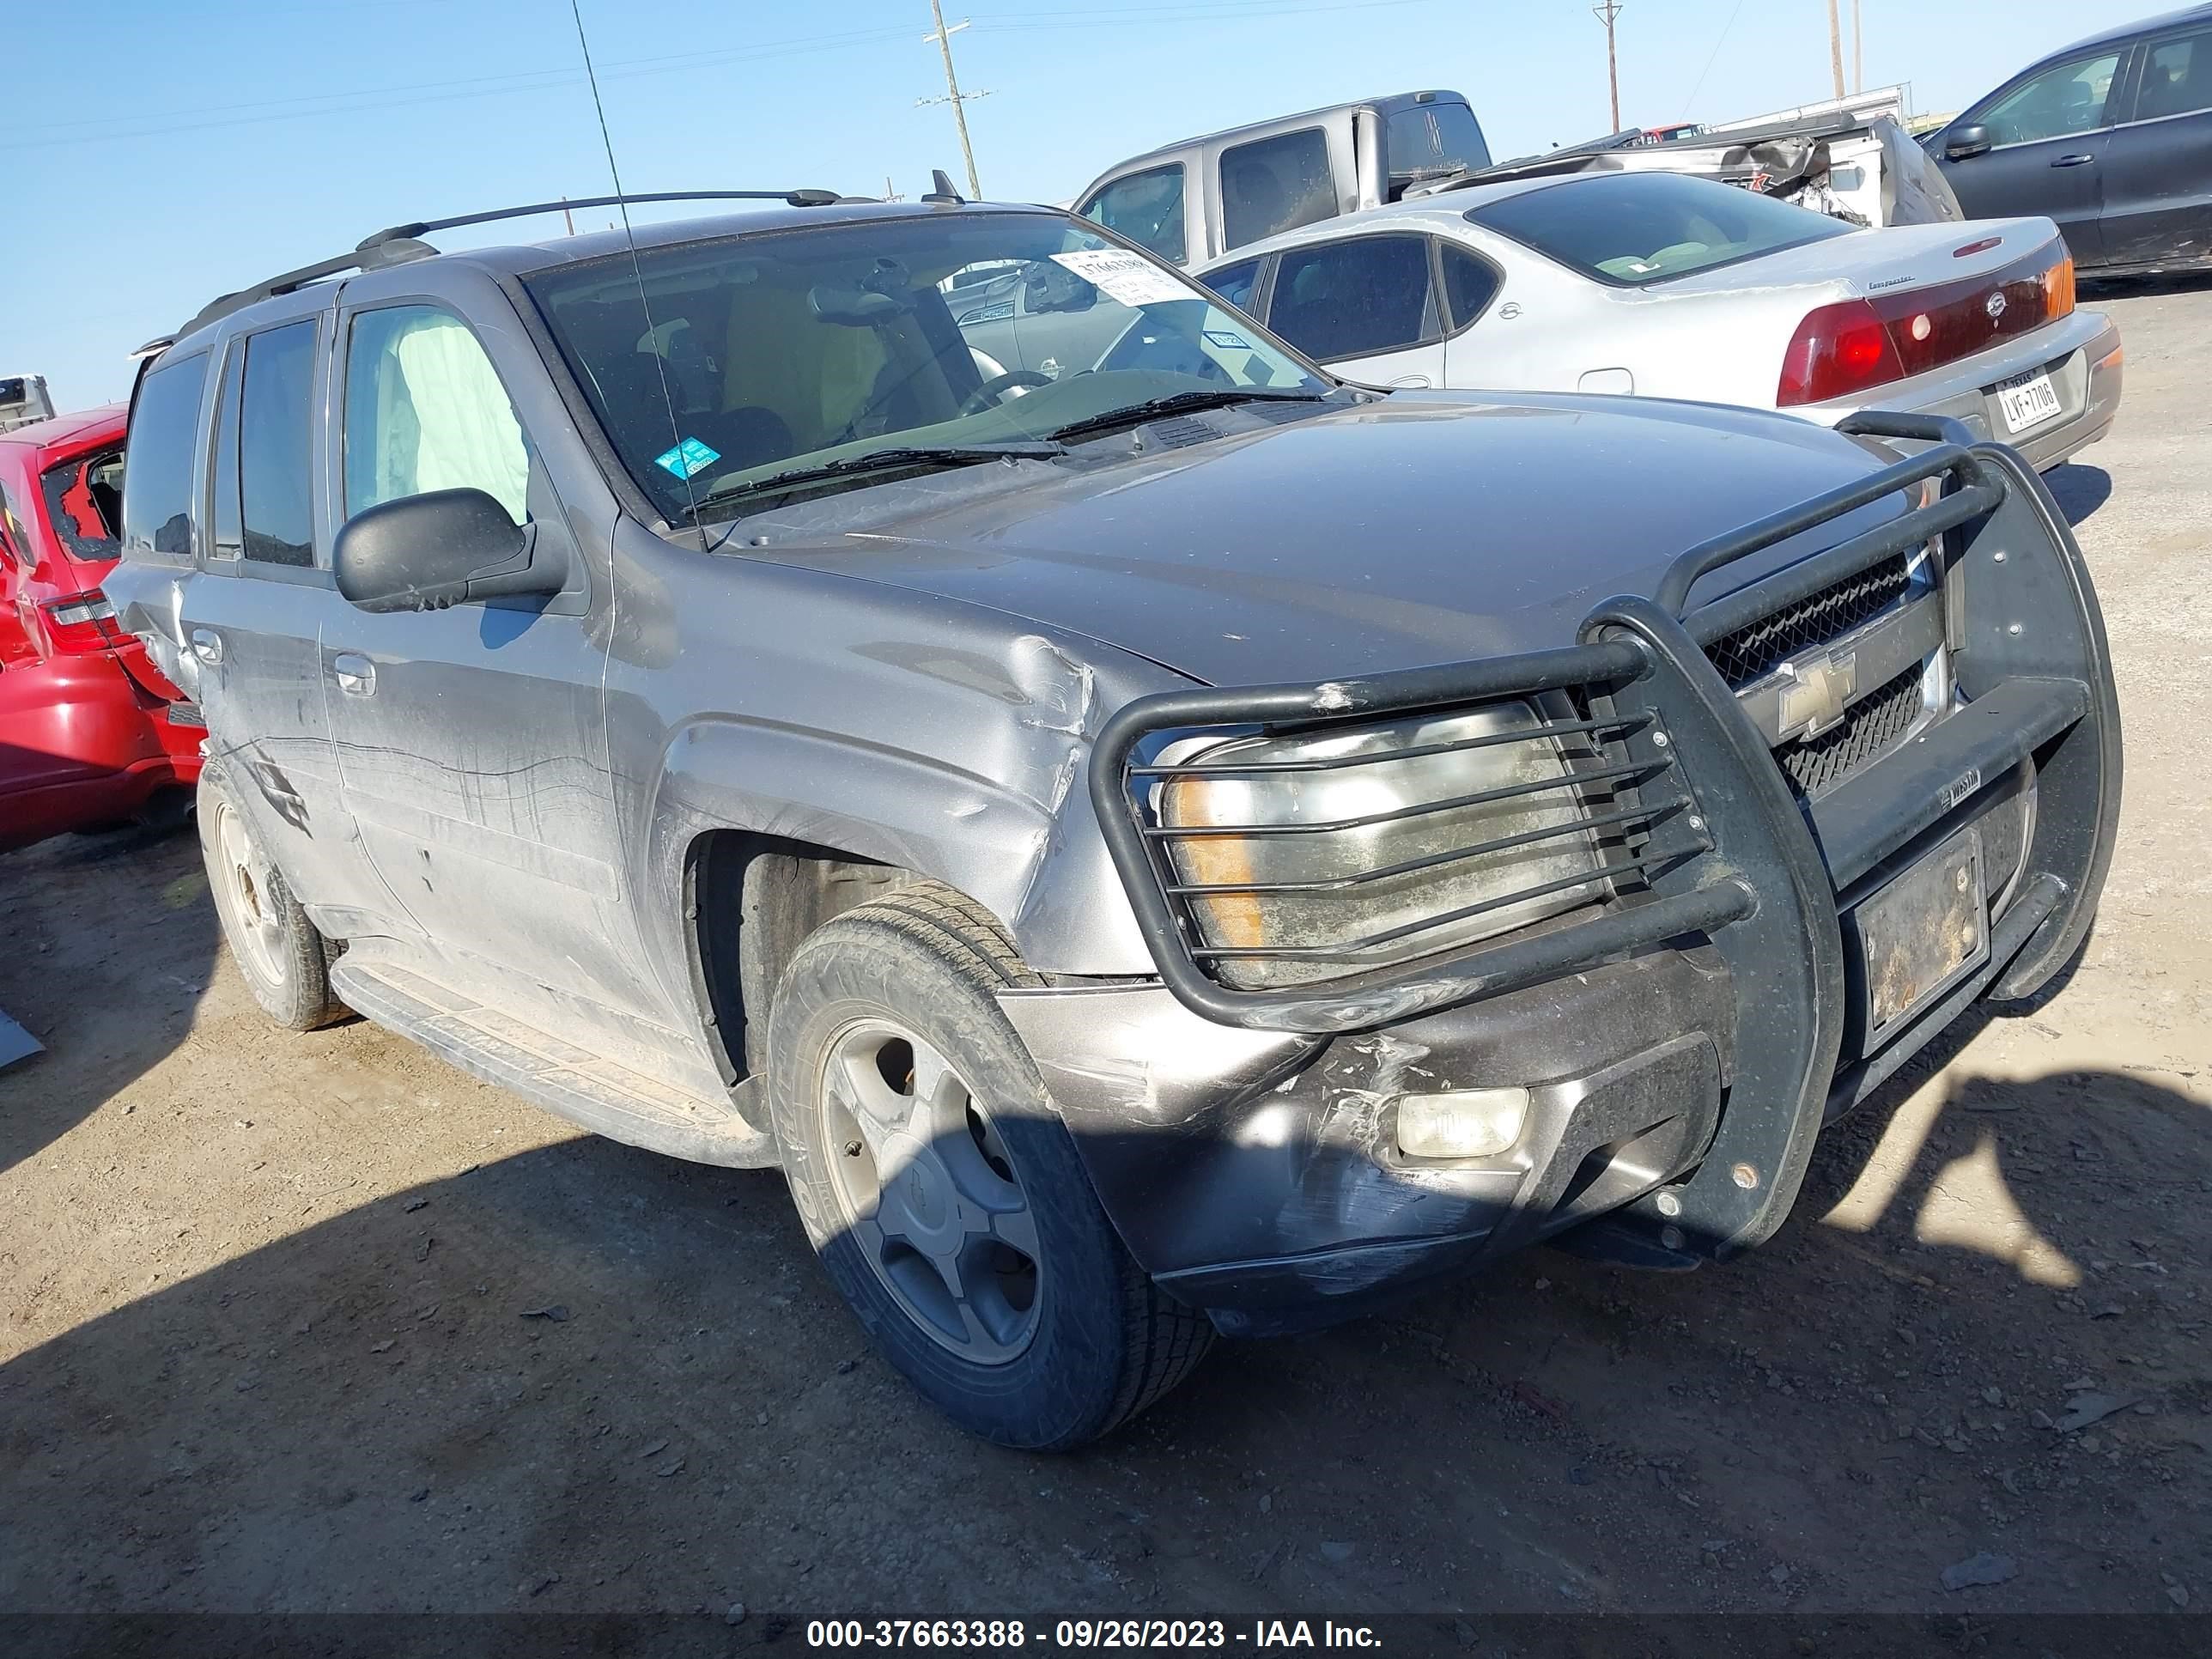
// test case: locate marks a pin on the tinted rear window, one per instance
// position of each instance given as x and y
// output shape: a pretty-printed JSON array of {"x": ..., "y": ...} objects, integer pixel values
[
  {"x": 157, "y": 479},
  {"x": 1432, "y": 141},
  {"x": 1632, "y": 228}
]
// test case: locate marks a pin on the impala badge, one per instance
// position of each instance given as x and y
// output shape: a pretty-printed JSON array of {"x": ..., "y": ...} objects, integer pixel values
[{"x": 1814, "y": 694}]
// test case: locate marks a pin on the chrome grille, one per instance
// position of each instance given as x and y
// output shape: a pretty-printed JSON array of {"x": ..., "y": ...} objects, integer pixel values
[
  {"x": 1755, "y": 650},
  {"x": 1871, "y": 727}
]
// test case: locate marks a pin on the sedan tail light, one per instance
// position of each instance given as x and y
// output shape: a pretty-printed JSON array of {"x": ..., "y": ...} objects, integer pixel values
[
  {"x": 1836, "y": 350},
  {"x": 1850, "y": 346},
  {"x": 82, "y": 623}
]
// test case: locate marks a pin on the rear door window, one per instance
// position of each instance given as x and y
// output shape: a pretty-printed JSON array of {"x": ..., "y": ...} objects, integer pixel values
[
  {"x": 1274, "y": 185},
  {"x": 425, "y": 411},
  {"x": 1432, "y": 141},
  {"x": 275, "y": 445},
  {"x": 1355, "y": 298},
  {"x": 1146, "y": 208},
  {"x": 2177, "y": 77},
  {"x": 157, "y": 479}
]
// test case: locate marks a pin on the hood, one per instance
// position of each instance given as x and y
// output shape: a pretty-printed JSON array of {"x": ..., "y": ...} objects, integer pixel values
[{"x": 1411, "y": 530}]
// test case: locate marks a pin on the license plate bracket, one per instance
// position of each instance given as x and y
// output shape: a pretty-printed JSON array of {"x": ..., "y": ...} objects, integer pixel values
[
  {"x": 1922, "y": 933},
  {"x": 2026, "y": 400}
]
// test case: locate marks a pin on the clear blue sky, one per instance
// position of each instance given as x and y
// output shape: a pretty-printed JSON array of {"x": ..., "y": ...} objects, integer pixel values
[{"x": 175, "y": 151}]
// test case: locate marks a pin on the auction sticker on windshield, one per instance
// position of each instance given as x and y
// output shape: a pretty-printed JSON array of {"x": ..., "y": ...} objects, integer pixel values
[
  {"x": 2027, "y": 398},
  {"x": 1123, "y": 276}
]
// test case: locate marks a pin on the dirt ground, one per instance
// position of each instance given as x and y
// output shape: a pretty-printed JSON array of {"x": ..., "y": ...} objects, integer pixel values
[{"x": 273, "y": 1337}]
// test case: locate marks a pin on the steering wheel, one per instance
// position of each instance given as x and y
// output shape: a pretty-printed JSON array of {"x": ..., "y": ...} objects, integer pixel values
[{"x": 988, "y": 394}]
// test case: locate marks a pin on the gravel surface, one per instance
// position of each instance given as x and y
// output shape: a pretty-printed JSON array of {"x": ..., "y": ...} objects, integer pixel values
[{"x": 263, "y": 1342}]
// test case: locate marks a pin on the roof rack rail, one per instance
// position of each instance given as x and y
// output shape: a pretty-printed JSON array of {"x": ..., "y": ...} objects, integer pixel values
[{"x": 398, "y": 244}]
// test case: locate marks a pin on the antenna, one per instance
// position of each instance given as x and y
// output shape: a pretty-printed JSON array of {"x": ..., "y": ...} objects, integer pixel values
[
  {"x": 943, "y": 37},
  {"x": 941, "y": 194},
  {"x": 630, "y": 236}
]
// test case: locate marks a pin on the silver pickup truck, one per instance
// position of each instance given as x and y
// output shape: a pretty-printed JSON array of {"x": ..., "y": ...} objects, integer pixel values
[{"x": 1194, "y": 200}]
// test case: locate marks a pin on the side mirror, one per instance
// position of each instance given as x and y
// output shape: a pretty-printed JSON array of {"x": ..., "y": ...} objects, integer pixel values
[
  {"x": 1970, "y": 140},
  {"x": 447, "y": 547}
]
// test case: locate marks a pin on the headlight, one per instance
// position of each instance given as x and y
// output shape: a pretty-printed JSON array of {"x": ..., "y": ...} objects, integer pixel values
[{"x": 1363, "y": 847}]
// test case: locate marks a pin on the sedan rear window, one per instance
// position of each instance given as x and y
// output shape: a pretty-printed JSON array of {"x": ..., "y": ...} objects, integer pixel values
[{"x": 1633, "y": 228}]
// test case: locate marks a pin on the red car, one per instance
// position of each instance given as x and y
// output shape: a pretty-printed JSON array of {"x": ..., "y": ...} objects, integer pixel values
[{"x": 90, "y": 733}]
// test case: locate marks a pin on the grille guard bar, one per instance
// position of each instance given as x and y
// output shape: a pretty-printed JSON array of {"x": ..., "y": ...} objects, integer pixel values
[{"x": 1752, "y": 878}]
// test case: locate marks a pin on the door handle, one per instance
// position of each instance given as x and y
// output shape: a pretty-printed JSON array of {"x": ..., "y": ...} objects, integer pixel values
[
  {"x": 356, "y": 674},
  {"x": 207, "y": 646},
  {"x": 2073, "y": 160},
  {"x": 1410, "y": 383}
]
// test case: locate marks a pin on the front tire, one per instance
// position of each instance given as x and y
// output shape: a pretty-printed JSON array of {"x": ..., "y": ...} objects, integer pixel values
[
  {"x": 280, "y": 953},
  {"x": 944, "y": 1196}
]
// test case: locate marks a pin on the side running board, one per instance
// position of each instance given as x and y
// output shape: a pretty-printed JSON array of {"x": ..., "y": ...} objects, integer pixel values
[{"x": 568, "y": 1081}]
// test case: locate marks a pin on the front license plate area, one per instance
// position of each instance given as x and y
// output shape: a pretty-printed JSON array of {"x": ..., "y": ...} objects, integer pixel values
[
  {"x": 2027, "y": 400},
  {"x": 1923, "y": 931}
]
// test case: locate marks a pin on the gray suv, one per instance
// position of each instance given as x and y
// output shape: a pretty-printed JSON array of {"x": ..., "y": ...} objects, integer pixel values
[{"x": 1162, "y": 844}]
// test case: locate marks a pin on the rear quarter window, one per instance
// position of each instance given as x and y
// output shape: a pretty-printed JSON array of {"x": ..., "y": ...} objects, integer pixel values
[
  {"x": 157, "y": 478},
  {"x": 84, "y": 504}
]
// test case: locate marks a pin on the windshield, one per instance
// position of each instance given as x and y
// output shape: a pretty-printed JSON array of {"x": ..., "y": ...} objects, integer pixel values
[
  {"x": 791, "y": 350},
  {"x": 1631, "y": 228}
]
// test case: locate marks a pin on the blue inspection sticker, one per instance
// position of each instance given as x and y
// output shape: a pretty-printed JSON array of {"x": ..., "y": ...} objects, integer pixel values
[{"x": 687, "y": 458}]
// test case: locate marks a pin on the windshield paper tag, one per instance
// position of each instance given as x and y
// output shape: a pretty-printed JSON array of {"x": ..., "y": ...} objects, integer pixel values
[
  {"x": 687, "y": 458},
  {"x": 1124, "y": 276}
]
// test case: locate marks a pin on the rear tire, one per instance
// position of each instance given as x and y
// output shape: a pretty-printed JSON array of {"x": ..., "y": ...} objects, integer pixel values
[
  {"x": 282, "y": 957},
  {"x": 944, "y": 1196}
]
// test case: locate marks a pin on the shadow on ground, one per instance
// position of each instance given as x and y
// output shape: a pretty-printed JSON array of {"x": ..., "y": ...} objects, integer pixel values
[
  {"x": 2079, "y": 490},
  {"x": 98, "y": 966},
  {"x": 585, "y": 1378}
]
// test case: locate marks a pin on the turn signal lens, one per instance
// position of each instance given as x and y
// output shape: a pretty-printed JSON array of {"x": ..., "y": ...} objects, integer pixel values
[{"x": 2058, "y": 291}]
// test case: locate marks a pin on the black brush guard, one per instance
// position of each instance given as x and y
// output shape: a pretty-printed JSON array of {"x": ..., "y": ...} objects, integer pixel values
[{"x": 1716, "y": 846}]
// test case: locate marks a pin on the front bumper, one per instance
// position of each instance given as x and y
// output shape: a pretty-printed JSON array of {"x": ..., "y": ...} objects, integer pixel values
[
  {"x": 2081, "y": 355},
  {"x": 1682, "y": 1052}
]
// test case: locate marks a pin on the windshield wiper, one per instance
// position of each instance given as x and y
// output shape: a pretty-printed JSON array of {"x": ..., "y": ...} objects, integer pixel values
[
  {"x": 1180, "y": 403},
  {"x": 902, "y": 458}
]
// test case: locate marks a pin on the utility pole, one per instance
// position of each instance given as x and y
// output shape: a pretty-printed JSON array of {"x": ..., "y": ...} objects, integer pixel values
[
  {"x": 954, "y": 96},
  {"x": 1859, "y": 52},
  {"x": 1835, "y": 46},
  {"x": 1605, "y": 13}
]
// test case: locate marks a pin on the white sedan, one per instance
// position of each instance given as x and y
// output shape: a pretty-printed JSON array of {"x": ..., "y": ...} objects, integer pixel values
[{"x": 1665, "y": 286}]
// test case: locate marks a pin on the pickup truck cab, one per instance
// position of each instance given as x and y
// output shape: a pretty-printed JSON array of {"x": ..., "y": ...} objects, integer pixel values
[
  {"x": 1194, "y": 200},
  {"x": 1169, "y": 845}
]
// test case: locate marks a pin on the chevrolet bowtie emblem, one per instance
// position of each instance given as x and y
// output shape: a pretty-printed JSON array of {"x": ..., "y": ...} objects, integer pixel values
[{"x": 1816, "y": 693}]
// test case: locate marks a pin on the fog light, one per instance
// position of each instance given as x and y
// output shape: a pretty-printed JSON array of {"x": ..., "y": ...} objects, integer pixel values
[{"x": 1465, "y": 1123}]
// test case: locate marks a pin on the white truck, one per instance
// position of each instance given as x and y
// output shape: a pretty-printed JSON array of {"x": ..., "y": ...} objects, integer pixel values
[{"x": 23, "y": 399}]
